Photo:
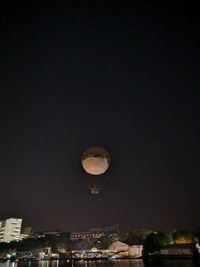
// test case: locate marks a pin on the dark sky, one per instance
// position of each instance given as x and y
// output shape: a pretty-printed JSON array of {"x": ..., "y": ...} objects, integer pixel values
[{"x": 121, "y": 76}]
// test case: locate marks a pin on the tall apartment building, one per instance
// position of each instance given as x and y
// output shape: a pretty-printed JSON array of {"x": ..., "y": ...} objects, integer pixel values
[{"x": 10, "y": 230}]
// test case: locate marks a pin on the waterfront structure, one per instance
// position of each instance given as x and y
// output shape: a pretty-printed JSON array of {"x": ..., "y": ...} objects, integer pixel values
[
  {"x": 47, "y": 254},
  {"x": 116, "y": 250},
  {"x": 93, "y": 253},
  {"x": 135, "y": 251},
  {"x": 176, "y": 250},
  {"x": 122, "y": 250},
  {"x": 10, "y": 230}
]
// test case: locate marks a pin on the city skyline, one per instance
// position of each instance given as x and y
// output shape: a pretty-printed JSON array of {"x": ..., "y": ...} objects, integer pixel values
[{"x": 121, "y": 76}]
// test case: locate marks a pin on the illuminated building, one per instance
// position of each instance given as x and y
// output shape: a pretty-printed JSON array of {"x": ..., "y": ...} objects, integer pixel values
[
  {"x": 96, "y": 233},
  {"x": 83, "y": 235},
  {"x": 27, "y": 230},
  {"x": 10, "y": 230}
]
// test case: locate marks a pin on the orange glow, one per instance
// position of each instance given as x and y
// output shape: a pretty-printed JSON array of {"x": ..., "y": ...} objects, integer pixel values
[{"x": 184, "y": 240}]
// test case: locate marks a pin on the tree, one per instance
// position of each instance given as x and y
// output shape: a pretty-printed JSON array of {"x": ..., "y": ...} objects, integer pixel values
[
  {"x": 3, "y": 247},
  {"x": 196, "y": 235},
  {"x": 104, "y": 243},
  {"x": 135, "y": 237},
  {"x": 155, "y": 241}
]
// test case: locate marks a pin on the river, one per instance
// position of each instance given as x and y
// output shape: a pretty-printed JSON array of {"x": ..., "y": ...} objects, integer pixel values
[{"x": 108, "y": 263}]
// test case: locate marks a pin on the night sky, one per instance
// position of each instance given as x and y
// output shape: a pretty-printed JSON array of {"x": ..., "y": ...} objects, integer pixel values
[{"x": 124, "y": 77}]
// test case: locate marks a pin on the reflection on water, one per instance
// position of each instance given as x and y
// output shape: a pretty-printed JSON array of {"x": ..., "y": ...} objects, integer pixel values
[
  {"x": 100, "y": 263},
  {"x": 114, "y": 263}
]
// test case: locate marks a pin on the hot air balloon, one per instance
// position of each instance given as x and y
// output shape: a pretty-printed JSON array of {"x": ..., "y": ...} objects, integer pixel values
[{"x": 95, "y": 162}]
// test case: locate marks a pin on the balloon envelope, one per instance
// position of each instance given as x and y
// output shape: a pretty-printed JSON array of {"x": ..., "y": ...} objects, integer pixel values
[
  {"x": 95, "y": 166},
  {"x": 95, "y": 160}
]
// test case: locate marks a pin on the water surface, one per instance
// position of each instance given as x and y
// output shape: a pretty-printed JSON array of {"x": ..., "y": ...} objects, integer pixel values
[{"x": 108, "y": 263}]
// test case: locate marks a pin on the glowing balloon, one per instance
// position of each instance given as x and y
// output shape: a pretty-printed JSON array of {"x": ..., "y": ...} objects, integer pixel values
[{"x": 95, "y": 161}]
